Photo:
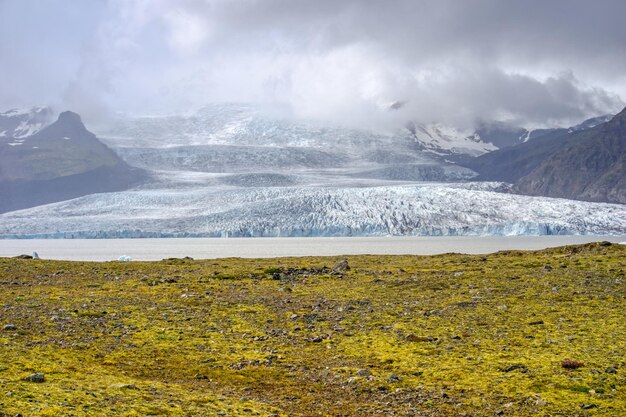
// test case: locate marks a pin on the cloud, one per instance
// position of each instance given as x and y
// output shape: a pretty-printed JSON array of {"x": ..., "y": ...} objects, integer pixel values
[{"x": 532, "y": 62}]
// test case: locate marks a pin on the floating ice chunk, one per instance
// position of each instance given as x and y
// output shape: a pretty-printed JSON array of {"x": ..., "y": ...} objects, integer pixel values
[{"x": 125, "y": 258}]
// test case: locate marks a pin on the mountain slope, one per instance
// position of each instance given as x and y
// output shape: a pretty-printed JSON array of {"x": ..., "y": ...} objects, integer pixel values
[
  {"x": 20, "y": 123},
  {"x": 590, "y": 165},
  {"x": 62, "y": 161}
]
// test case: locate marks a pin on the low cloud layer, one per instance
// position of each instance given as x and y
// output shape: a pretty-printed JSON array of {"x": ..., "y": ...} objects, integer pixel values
[{"x": 530, "y": 62}]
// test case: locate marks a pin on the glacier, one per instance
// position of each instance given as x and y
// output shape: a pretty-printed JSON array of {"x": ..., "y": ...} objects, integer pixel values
[
  {"x": 236, "y": 170},
  {"x": 427, "y": 209}
]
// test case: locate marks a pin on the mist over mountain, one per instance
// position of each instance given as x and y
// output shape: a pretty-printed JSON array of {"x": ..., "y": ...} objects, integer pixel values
[{"x": 335, "y": 106}]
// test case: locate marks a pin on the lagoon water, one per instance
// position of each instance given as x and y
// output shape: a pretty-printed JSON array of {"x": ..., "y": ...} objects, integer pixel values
[{"x": 201, "y": 248}]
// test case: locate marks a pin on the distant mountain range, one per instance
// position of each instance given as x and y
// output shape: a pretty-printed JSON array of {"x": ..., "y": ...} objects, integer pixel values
[
  {"x": 237, "y": 168},
  {"x": 63, "y": 160}
]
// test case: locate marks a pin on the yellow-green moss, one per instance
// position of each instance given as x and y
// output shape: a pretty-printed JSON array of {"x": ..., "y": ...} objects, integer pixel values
[{"x": 441, "y": 335}]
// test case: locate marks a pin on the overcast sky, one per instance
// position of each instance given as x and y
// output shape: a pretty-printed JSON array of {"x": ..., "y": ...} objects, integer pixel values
[{"x": 530, "y": 61}]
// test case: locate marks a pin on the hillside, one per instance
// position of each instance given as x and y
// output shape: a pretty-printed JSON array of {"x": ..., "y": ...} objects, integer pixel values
[
  {"x": 591, "y": 167},
  {"x": 513, "y": 334},
  {"x": 62, "y": 161}
]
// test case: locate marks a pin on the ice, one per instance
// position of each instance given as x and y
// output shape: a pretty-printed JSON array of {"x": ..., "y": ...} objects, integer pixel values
[{"x": 426, "y": 210}]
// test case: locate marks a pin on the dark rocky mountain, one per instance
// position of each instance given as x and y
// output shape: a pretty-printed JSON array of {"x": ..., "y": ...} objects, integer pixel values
[
  {"x": 512, "y": 163},
  {"x": 62, "y": 161},
  {"x": 589, "y": 165},
  {"x": 505, "y": 135},
  {"x": 515, "y": 160}
]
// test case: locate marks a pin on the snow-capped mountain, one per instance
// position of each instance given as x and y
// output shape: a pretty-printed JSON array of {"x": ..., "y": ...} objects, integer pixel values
[
  {"x": 250, "y": 125},
  {"x": 239, "y": 138},
  {"x": 426, "y": 209},
  {"x": 17, "y": 124},
  {"x": 444, "y": 140}
]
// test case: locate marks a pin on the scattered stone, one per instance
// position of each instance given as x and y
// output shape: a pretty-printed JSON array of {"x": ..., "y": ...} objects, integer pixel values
[
  {"x": 536, "y": 322},
  {"x": 318, "y": 339},
  {"x": 363, "y": 372},
  {"x": 37, "y": 377},
  {"x": 414, "y": 338},
  {"x": 23, "y": 257},
  {"x": 9, "y": 327},
  {"x": 123, "y": 386},
  {"x": 547, "y": 268},
  {"x": 515, "y": 366},
  {"x": 393, "y": 378},
  {"x": 611, "y": 370},
  {"x": 570, "y": 364},
  {"x": 340, "y": 268},
  {"x": 588, "y": 406}
]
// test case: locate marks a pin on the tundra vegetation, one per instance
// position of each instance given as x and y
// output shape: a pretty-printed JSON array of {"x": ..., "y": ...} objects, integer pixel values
[{"x": 512, "y": 333}]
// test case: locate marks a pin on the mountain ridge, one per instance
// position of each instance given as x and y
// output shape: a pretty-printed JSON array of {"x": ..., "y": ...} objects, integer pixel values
[{"x": 63, "y": 160}]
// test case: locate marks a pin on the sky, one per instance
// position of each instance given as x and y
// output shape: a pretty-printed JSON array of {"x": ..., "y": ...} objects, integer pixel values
[{"x": 529, "y": 62}]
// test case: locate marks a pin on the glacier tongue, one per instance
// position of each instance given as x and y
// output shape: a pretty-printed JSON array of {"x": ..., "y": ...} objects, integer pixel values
[{"x": 419, "y": 209}]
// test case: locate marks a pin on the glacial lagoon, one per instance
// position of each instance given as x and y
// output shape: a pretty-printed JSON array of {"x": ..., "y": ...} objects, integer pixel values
[{"x": 211, "y": 248}]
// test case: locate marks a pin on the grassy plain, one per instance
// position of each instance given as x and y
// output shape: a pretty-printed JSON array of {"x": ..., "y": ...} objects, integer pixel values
[{"x": 392, "y": 335}]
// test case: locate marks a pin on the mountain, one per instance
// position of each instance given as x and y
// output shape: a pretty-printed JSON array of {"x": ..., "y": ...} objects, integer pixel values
[
  {"x": 505, "y": 135},
  {"x": 512, "y": 162},
  {"x": 61, "y": 161},
  {"x": 237, "y": 124},
  {"x": 588, "y": 165},
  {"x": 243, "y": 138},
  {"x": 20, "y": 123}
]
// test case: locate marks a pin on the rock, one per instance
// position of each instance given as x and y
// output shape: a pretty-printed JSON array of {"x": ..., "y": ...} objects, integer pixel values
[
  {"x": 414, "y": 338},
  {"x": 611, "y": 370},
  {"x": 23, "y": 257},
  {"x": 9, "y": 327},
  {"x": 340, "y": 267},
  {"x": 515, "y": 366},
  {"x": 536, "y": 322},
  {"x": 318, "y": 339},
  {"x": 393, "y": 378},
  {"x": 547, "y": 268},
  {"x": 363, "y": 372},
  {"x": 123, "y": 386},
  {"x": 37, "y": 377},
  {"x": 570, "y": 364},
  {"x": 588, "y": 406}
]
